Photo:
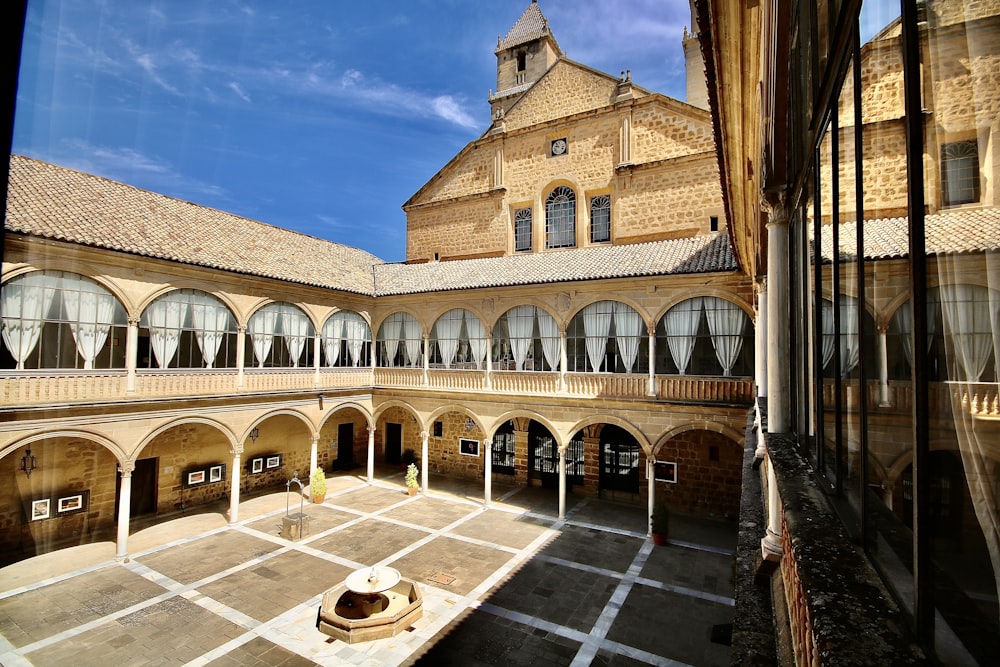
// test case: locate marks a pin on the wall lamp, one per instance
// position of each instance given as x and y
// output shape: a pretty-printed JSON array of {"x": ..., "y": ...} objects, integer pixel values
[
  {"x": 28, "y": 462},
  {"x": 254, "y": 434}
]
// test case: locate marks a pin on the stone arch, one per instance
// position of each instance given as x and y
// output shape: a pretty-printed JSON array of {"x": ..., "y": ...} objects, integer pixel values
[
  {"x": 377, "y": 324},
  {"x": 617, "y": 298},
  {"x": 234, "y": 444},
  {"x": 71, "y": 267},
  {"x": 719, "y": 292},
  {"x": 715, "y": 427},
  {"x": 189, "y": 285},
  {"x": 306, "y": 310},
  {"x": 349, "y": 405},
  {"x": 537, "y": 303},
  {"x": 403, "y": 405},
  {"x": 117, "y": 450},
  {"x": 529, "y": 414},
  {"x": 445, "y": 409},
  {"x": 708, "y": 469},
  {"x": 282, "y": 411},
  {"x": 623, "y": 424}
]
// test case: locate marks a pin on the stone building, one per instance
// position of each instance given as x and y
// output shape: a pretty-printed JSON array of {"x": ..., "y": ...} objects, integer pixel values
[
  {"x": 570, "y": 312},
  {"x": 870, "y": 224}
]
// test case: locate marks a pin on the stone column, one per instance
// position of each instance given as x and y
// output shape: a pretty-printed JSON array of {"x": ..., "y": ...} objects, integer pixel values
[
  {"x": 131, "y": 353},
  {"x": 316, "y": 380},
  {"x": 424, "y": 437},
  {"x": 650, "y": 493},
  {"x": 427, "y": 357},
  {"x": 234, "y": 487},
  {"x": 770, "y": 544},
  {"x": 371, "y": 454},
  {"x": 651, "y": 391},
  {"x": 489, "y": 360},
  {"x": 562, "y": 482},
  {"x": 488, "y": 473},
  {"x": 124, "y": 509},
  {"x": 313, "y": 456},
  {"x": 562, "y": 361},
  {"x": 883, "y": 369},
  {"x": 760, "y": 340},
  {"x": 241, "y": 345},
  {"x": 777, "y": 312}
]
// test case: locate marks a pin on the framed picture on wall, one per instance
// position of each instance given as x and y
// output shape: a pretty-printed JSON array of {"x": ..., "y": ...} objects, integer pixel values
[
  {"x": 665, "y": 471},
  {"x": 467, "y": 447},
  {"x": 216, "y": 473},
  {"x": 256, "y": 466},
  {"x": 273, "y": 461},
  {"x": 71, "y": 504},
  {"x": 196, "y": 477},
  {"x": 40, "y": 509}
]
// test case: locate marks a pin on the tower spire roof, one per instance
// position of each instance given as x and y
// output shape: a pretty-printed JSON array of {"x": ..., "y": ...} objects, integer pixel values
[{"x": 531, "y": 26}]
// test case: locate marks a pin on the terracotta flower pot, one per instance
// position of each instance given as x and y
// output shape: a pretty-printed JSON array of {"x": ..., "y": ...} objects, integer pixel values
[
  {"x": 412, "y": 490},
  {"x": 659, "y": 540}
]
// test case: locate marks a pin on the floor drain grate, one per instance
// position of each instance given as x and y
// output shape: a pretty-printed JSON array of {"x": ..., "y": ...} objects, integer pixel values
[{"x": 441, "y": 578}]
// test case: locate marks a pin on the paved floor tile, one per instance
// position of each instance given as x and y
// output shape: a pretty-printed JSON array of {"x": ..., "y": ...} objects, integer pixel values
[
  {"x": 46, "y": 611},
  {"x": 368, "y": 498},
  {"x": 633, "y": 518},
  {"x": 469, "y": 564},
  {"x": 430, "y": 512},
  {"x": 597, "y": 548},
  {"x": 369, "y": 541},
  {"x": 259, "y": 652},
  {"x": 192, "y": 561},
  {"x": 704, "y": 571},
  {"x": 511, "y": 530},
  {"x": 321, "y": 519}
]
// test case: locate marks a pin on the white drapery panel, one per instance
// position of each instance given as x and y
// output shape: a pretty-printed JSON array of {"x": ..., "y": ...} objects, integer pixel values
[
  {"x": 477, "y": 338},
  {"x": 412, "y": 337},
  {"x": 828, "y": 338},
  {"x": 333, "y": 333},
  {"x": 726, "y": 323},
  {"x": 165, "y": 319},
  {"x": 681, "y": 324},
  {"x": 25, "y": 301},
  {"x": 295, "y": 330},
  {"x": 356, "y": 333},
  {"x": 210, "y": 319},
  {"x": 596, "y": 325},
  {"x": 901, "y": 320},
  {"x": 628, "y": 327},
  {"x": 261, "y": 328},
  {"x": 447, "y": 330},
  {"x": 849, "y": 342},
  {"x": 89, "y": 311},
  {"x": 966, "y": 315},
  {"x": 390, "y": 333},
  {"x": 520, "y": 329},
  {"x": 551, "y": 344}
]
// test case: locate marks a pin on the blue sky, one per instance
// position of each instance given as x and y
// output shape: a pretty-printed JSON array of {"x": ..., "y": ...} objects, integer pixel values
[{"x": 323, "y": 117}]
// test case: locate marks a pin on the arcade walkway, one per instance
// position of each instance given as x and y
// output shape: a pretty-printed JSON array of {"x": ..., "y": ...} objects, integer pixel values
[{"x": 509, "y": 585}]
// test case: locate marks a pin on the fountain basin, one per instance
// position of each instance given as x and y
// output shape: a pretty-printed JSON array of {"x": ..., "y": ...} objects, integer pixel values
[{"x": 355, "y": 617}]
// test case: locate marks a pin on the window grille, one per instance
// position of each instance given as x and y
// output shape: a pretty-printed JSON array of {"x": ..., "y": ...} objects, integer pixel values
[{"x": 560, "y": 218}]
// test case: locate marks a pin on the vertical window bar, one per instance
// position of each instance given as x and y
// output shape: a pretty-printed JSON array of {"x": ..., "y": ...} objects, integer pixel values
[
  {"x": 817, "y": 306},
  {"x": 838, "y": 384}
]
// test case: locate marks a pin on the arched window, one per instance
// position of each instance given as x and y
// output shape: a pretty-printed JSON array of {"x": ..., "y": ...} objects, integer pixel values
[
  {"x": 400, "y": 341},
  {"x": 347, "y": 340},
  {"x": 705, "y": 336},
  {"x": 560, "y": 218},
  {"x": 291, "y": 326},
  {"x": 53, "y": 319},
  {"x": 458, "y": 339},
  {"x": 849, "y": 346},
  {"x": 607, "y": 337},
  {"x": 187, "y": 329},
  {"x": 600, "y": 219},
  {"x": 526, "y": 338}
]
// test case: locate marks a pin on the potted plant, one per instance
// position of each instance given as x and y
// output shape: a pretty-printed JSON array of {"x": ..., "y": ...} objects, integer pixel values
[
  {"x": 411, "y": 479},
  {"x": 660, "y": 519},
  {"x": 318, "y": 486}
]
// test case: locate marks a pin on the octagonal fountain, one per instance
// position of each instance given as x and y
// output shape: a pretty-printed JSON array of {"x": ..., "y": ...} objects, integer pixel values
[{"x": 372, "y": 603}]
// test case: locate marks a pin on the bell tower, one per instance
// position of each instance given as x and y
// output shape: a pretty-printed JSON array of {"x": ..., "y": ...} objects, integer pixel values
[
  {"x": 523, "y": 56},
  {"x": 697, "y": 88}
]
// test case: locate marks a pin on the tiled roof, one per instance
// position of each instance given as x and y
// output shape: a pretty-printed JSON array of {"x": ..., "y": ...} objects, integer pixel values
[
  {"x": 953, "y": 231},
  {"x": 530, "y": 26},
  {"x": 699, "y": 254},
  {"x": 58, "y": 203}
]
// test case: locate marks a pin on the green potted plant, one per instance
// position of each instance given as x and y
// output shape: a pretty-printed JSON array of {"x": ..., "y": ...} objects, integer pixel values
[
  {"x": 660, "y": 519},
  {"x": 411, "y": 479},
  {"x": 318, "y": 486}
]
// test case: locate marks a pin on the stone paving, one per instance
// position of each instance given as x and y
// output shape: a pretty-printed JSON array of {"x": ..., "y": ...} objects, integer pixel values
[{"x": 506, "y": 585}]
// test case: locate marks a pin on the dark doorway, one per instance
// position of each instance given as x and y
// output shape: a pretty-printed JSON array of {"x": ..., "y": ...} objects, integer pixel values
[
  {"x": 393, "y": 443},
  {"x": 345, "y": 446},
  {"x": 543, "y": 458},
  {"x": 143, "y": 488},
  {"x": 620, "y": 454}
]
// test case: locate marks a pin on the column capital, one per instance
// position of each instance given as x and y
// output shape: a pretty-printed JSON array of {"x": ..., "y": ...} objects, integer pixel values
[
  {"x": 487, "y": 444},
  {"x": 133, "y": 321},
  {"x": 126, "y": 468},
  {"x": 424, "y": 435},
  {"x": 773, "y": 202},
  {"x": 237, "y": 450}
]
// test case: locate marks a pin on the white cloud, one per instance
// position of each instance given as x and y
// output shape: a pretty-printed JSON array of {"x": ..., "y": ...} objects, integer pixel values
[{"x": 236, "y": 88}]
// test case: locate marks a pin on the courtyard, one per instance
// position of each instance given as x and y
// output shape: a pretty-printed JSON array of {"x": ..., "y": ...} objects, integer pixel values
[{"x": 511, "y": 584}]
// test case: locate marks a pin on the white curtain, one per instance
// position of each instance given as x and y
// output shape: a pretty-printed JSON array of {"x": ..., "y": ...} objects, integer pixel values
[
  {"x": 165, "y": 319},
  {"x": 628, "y": 326},
  {"x": 210, "y": 319},
  {"x": 520, "y": 328},
  {"x": 411, "y": 334},
  {"x": 828, "y": 337},
  {"x": 966, "y": 311},
  {"x": 89, "y": 310},
  {"x": 477, "y": 338},
  {"x": 261, "y": 328},
  {"x": 294, "y": 329},
  {"x": 356, "y": 333},
  {"x": 849, "y": 350},
  {"x": 726, "y": 322},
  {"x": 25, "y": 301},
  {"x": 596, "y": 325},
  {"x": 447, "y": 330},
  {"x": 681, "y": 323},
  {"x": 549, "y": 331},
  {"x": 902, "y": 323},
  {"x": 333, "y": 332}
]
